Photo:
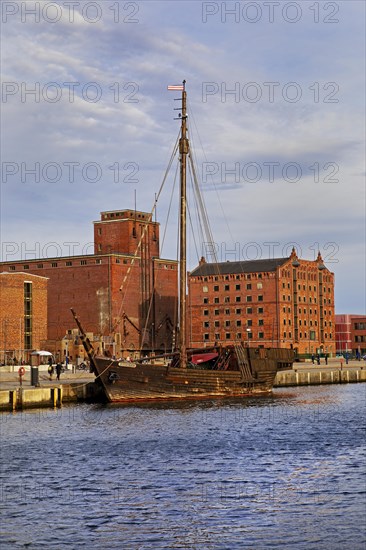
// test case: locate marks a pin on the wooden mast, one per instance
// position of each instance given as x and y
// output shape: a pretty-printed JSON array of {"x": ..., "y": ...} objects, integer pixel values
[{"x": 183, "y": 151}]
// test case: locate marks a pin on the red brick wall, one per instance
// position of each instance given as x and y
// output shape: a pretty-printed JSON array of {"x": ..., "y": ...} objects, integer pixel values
[
  {"x": 123, "y": 235},
  {"x": 12, "y": 312},
  {"x": 350, "y": 335},
  {"x": 312, "y": 290},
  {"x": 294, "y": 301},
  {"x": 166, "y": 303},
  {"x": 102, "y": 288},
  {"x": 358, "y": 334},
  {"x": 101, "y": 293}
]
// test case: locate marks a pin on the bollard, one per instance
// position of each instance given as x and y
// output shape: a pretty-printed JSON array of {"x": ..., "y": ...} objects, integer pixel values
[
  {"x": 59, "y": 391},
  {"x": 13, "y": 399},
  {"x": 54, "y": 396},
  {"x": 34, "y": 376}
]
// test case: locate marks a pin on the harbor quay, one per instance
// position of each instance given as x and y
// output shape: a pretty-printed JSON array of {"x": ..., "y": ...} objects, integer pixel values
[
  {"x": 18, "y": 392},
  {"x": 335, "y": 372}
]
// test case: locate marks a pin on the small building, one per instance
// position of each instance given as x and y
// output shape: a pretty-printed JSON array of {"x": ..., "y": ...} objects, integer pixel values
[
  {"x": 23, "y": 315},
  {"x": 351, "y": 334},
  {"x": 279, "y": 302}
]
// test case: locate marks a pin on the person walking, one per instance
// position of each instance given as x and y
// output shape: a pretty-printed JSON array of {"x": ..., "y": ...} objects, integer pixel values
[
  {"x": 50, "y": 371},
  {"x": 58, "y": 370},
  {"x": 312, "y": 358}
]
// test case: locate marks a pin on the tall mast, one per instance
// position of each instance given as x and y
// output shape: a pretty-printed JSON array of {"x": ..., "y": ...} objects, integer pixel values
[{"x": 183, "y": 151}]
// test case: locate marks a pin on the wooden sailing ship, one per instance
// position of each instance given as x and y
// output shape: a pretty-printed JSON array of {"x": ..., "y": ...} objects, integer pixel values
[{"x": 219, "y": 371}]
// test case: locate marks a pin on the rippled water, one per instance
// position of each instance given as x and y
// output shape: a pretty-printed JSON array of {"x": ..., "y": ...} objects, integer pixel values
[{"x": 286, "y": 471}]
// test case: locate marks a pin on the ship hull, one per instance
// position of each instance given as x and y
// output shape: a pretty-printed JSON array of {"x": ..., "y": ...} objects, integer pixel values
[{"x": 123, "y": 382}]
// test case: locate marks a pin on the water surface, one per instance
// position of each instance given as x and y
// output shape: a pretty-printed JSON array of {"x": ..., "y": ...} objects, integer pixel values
[{"x": 285, "y": 471}]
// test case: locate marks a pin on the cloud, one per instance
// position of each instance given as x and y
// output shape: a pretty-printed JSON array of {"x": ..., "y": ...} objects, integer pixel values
[{"x": 129, "y": 131}]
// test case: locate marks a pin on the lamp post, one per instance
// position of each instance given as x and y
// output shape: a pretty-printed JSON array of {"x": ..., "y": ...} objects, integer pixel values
[{"x": 67, "y": 354}]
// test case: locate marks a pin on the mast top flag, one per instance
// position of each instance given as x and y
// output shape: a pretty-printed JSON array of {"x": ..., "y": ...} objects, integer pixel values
[{"x": 177, "y": 87}]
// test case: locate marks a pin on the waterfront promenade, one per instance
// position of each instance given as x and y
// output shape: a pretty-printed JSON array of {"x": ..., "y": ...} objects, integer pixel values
[
  {"x": 79, "y": 386},
  {"x": 10, "y": 380}
]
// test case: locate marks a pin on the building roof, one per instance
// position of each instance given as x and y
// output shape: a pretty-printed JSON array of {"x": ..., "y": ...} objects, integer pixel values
[
  {"x": 248, "y": 266},
  {"x": 24, "y": 274}
]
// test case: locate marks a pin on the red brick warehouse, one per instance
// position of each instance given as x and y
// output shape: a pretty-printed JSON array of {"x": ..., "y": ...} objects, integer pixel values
[
  {"x": 119, "y": 290},
  {"x": 281, "y": 302},
  {"x": 23, "y": 315}
]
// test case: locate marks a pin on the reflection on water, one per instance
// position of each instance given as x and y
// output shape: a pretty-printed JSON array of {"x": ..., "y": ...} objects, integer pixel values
[{"x": 223, "y": 474}]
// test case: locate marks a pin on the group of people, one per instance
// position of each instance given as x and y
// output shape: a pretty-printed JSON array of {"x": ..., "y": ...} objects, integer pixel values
[
  {"x": 51, "y": 369},
  {"x": 317, "y": 357}
]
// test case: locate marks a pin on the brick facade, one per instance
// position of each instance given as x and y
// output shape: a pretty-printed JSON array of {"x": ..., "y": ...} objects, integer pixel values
[
  {"x": 23, "y": 315},
  {"x": 351, "y": 334},
  {"x": 124, "y": 292},
  {"x": 283, "y": 302},
  {"x": 127, "y": 296}
]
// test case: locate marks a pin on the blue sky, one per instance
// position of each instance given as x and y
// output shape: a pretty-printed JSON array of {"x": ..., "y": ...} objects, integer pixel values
[{"x": 276, "y": 96}]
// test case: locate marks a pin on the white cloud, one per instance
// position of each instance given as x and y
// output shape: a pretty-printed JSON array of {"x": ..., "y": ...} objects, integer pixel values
[{"x": 170, "y": 43}]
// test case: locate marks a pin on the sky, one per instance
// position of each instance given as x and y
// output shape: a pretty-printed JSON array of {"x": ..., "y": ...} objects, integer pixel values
[{"x": 276, "y": 98}]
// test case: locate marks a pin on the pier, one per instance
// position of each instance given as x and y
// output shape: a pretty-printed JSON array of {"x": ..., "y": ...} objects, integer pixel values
[
  {"x": 16, "y": 394},
  {"x": 80, "y": 387},
  {"x": 304, "y": 375}
]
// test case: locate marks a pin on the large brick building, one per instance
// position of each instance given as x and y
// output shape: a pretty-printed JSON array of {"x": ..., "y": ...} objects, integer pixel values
[
  {"x": 124, "y": 291},
  {"x": 127, "y": 296},
  {"x": 23, "y": 315},
  {"x": 285, "y": 302}
]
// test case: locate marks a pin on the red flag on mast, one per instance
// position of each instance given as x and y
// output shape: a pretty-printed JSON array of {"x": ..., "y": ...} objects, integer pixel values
[{"x": 177, "y": 87}]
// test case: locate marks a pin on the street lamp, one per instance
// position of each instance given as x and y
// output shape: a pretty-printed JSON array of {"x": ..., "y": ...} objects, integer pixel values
[{"x": 66, "y": 354}]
